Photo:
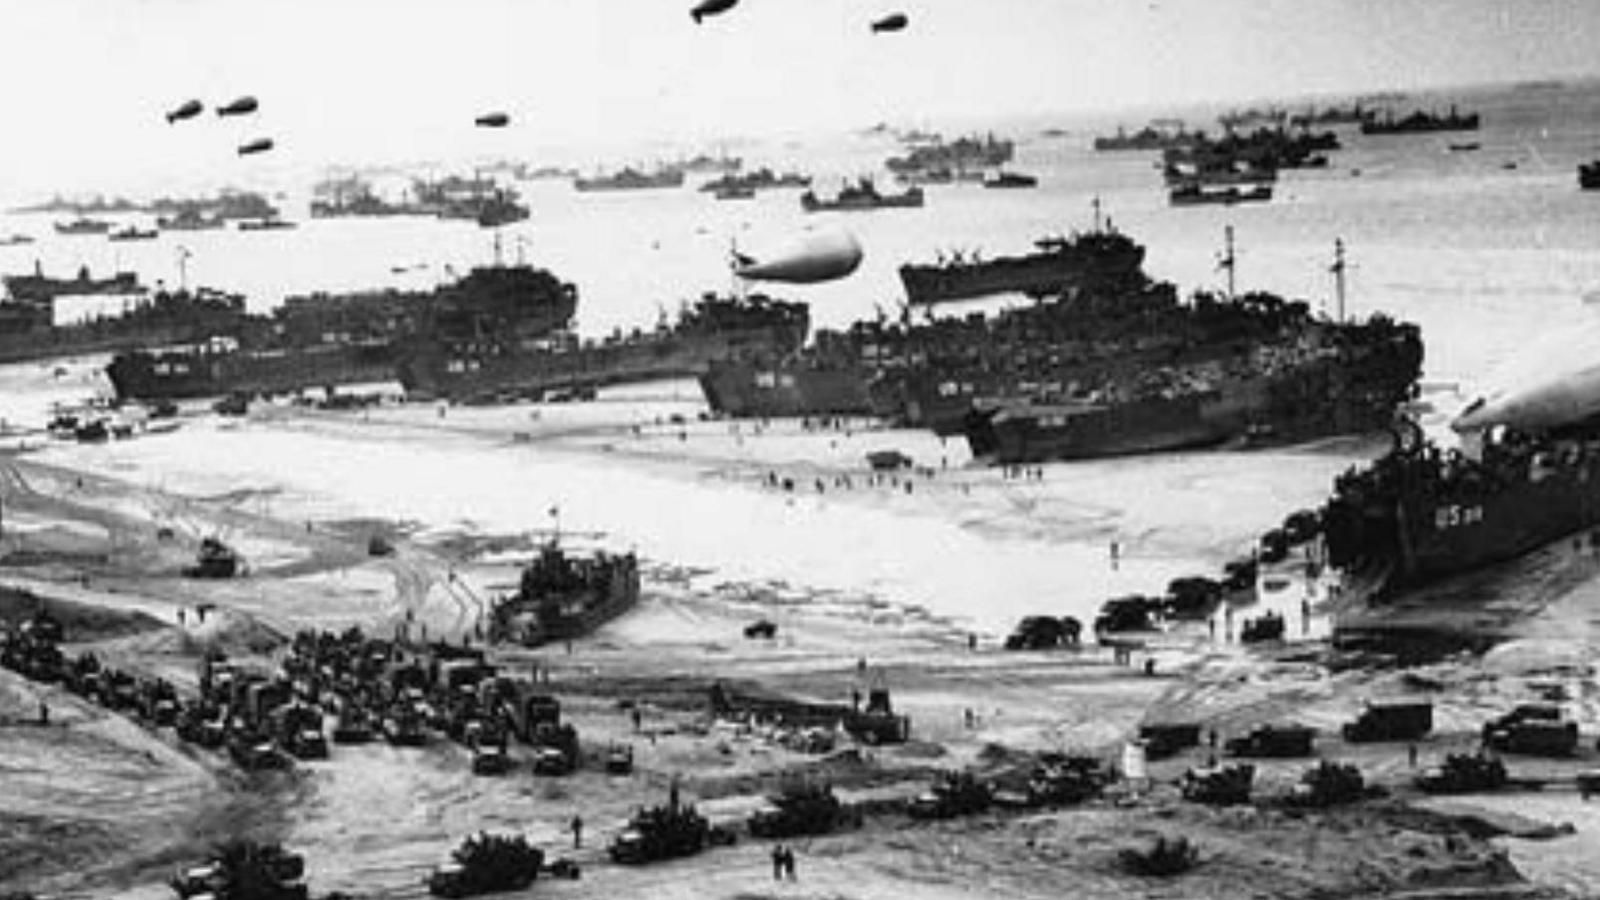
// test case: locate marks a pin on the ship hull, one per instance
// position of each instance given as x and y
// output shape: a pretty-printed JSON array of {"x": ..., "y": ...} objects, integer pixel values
[
  {"x": 1433, "y": 532},
  {"x": 428, "y": 369},
  {"x": 748, "y": 390},
  {"x": 1320, "y": 400},
  {"x": 188, "y": 374}
]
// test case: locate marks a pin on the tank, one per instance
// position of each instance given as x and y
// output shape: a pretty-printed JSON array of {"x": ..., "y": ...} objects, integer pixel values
[
  {"x": 954, "y": 794},
  {"x": 665, "y": 832},
  {"x": 803, "y": 809},
  {"x": 1463, "y": 773},
  {"x": 245, "y": 870},
  {"x": 487, "y": 863},
  {"x": 1328, "y": 784},
  {"x": 1219, "y": 785}
]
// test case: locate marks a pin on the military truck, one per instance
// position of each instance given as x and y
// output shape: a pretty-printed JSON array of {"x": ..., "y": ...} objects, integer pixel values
[
  {"x": 1390, "y": 722},
  {"x": 1532, "y": 729},
  {"x": 803, "y": 809},
  {"x": 1165, "y": 739},
  {"x": 1273, "y": 741}
]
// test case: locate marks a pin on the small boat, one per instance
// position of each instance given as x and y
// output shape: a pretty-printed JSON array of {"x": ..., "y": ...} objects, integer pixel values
[
  {"x": 734, "y": 192},
  {"x": 1194, "y": 195},
  {"x": 16, "y": 240},
  {"x": 1465, "y": 147}
]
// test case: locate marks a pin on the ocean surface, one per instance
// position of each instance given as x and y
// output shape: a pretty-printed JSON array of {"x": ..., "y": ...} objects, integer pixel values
[{"x": 1488, "y": 250}]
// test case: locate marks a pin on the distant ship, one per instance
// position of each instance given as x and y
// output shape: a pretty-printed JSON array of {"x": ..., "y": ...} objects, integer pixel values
[
  {"x": 629, "y": 179},
  {"x": 1058, "y": 264},
  {"x": 189, "y": 220},
  {"x": 133, "y": 233},
  {"x": 1420, "y": 122},
  {"x": 757, "y": 180},
  {"x": 1147, "y": 138},
  {"x": 268, "y": 224},
  {"x": 41, "y": 287},
  {"x": 713, "y": 328},
  {"x": 734, "y": 192},
  {"x": 1193, "y": 194},
  {"x": 721, "y": 164},
  {"x": 1005, "y": 179},
  {"x": 962, "y": 154},
  {"x": 15, "y": 240},
  {"x": 863, "y": 195},
  {"x": 83, "y": 226},
  {"x": 499, "y": 209},
  {"x": 561, "y": 597},
  {"x": 321, "y": 340}
]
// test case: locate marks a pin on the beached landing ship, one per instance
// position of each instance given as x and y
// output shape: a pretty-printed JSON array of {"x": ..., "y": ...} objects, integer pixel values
[
  {"x": 322, "y": 341},
  {"x": 562, "y": 597},
  {"x": 490, "y": 366},
  {"x": 28, "y": 332},
  {"x": 1295, "y": 378},
  {"x": 1057, "y": 265}
]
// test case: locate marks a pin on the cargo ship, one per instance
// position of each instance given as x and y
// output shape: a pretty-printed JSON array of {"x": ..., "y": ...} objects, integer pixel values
[
  {"x": 863, "y": 195},
  {"x": 1058, "y": 264},
  {"x": 1147, "y": 138},
  {"x": 562, "y": 597},
  {"x": 491, "y": 366},
  {"x": 630, "y": 179},
  {"x": 1420, "y": 122},
  {"x": 322, "y": 341},
  {"x": 83, "y": 225}
]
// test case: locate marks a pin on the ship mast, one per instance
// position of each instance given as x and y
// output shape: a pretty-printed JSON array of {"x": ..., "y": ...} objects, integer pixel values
[
  {"x": 1338, "y": 275},
  {"x": 1095, "y": 205},
  {"x": 1228, "y": 261},
  {"x": 183, "y": 268}
]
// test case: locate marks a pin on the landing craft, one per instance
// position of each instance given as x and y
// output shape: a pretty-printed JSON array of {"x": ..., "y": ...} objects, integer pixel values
[
  {"x": 822, "y": 256},
  {"x": 891, "y": 22},
  {"x": 256, "y": 146},
  {"x": 711, "y": 8},
  {"x": 187, "y": 111},
  {"x": 239, "y": 107},
  {"x": 1554, "y": 382},
  {"x": 493, "y": 120}
]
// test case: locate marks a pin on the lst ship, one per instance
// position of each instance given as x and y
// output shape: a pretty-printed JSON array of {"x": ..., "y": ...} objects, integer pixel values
[
  {"x": 491, "y": 366},
  {"x": 323, "y": 341}
]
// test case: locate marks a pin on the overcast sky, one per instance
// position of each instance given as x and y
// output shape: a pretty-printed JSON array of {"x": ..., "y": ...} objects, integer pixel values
[{"x": 84, "y": 83}]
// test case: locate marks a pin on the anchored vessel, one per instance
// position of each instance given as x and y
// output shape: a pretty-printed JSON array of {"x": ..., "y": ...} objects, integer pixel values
[
  {"x": 861, "y": 196},
  {"x": 1420, "y": 122},
  {"x": 630, "y": 179},
  {"x": 562, "y": 597},
  {"x": 1058, "y": 264},
  {"x": 489, "y": 365}
]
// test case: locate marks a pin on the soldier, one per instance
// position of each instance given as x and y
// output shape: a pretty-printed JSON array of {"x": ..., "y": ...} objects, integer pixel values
[
  {"x": 44, "y": 713},
  {"x": 577, "y": 832},
  {"x": 777, "y": 862}
]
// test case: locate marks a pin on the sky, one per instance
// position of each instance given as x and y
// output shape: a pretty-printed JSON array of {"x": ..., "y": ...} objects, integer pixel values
[{"x": 86, "y": 82}]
